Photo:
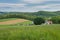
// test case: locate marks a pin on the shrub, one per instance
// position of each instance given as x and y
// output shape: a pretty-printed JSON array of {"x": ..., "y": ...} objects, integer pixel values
[
  {"x": 56, "y": 20},
  {"x": 38, "y": 21}
]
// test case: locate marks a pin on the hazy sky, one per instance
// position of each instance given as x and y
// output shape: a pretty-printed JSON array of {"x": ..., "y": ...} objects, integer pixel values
[{"x": 29, "y": 5}]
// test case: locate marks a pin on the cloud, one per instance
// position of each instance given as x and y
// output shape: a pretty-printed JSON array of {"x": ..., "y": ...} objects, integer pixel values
[
  {"x": 31, "y": 6},
  {"x": 11, "y": 5},
  {"x": 33, "y": 1},
  {"x": 48, "y": 7},
  {"x": 37, "y": 1}
]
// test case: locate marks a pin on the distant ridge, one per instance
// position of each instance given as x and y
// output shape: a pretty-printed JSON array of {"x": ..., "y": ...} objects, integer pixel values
[{"x": 39, "y": 13}]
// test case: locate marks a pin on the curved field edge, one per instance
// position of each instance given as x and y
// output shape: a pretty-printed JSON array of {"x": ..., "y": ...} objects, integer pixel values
[
  {"x": 35, "y": 32},
  {"x": 12, "y": 21}
]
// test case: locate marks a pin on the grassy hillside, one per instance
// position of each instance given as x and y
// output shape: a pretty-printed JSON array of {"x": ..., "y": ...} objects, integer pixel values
[
  {"x": 28, "y": 15},
  {"x": 26, "y": 30},
  {"x": 15, "y": 21},
  {"x": 7, "y": 19},
  {"x": 35, "y": 32},
  {"x": 46, "y": 13}
]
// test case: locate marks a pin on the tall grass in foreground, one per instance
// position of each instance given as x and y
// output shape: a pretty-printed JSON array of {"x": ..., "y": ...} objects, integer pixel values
[{"x": 39, "y": 32}]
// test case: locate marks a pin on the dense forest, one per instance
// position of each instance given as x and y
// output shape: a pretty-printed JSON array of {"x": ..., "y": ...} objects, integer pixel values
[{"x": 28, "y": 15}]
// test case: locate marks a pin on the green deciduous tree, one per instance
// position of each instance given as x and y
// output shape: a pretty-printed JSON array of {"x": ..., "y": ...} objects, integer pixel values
[
  {"x": 38, "y": 21},
  {"x": 56, "y": 20}
]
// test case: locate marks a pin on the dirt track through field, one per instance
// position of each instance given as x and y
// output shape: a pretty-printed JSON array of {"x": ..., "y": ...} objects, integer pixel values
[{"x": 13, "y": 21}]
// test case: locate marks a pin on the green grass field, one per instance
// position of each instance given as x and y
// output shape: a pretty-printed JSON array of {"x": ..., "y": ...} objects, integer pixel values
[
  {"x": 2, "y": 20},
  {"x": 24, "y": 31},
  {"x": 39, "y": 32}
]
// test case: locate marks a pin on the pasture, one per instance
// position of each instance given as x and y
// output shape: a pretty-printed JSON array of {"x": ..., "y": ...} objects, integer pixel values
[
  {"x": 24, "y": 31},
  {"x": 11, "y": 21},
  {"x": 8, "y": 19}
]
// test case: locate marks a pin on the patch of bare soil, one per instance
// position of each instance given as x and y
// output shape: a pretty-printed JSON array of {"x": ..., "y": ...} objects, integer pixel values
[{"x": 13, "y": 21}]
